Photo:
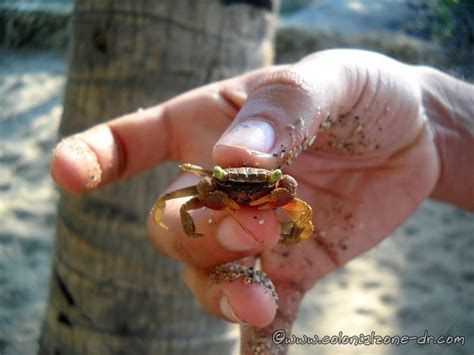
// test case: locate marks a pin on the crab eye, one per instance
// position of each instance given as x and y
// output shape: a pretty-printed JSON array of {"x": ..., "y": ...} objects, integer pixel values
[
  {"x": 218, "y": 173},
  {"x": 275, "y": 175}
]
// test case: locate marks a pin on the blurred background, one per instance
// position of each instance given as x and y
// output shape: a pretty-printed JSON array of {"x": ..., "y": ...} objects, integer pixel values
[{"x": 420, "y": 279}]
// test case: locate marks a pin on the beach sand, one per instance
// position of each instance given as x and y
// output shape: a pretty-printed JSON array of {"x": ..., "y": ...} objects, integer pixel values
[
  {"x": 31, "y": 86},
  {"x": 419, "y": 279}
]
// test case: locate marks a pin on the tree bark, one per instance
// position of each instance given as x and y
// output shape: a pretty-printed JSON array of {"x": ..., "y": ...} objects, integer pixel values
[{"x": 110, "y": 291}]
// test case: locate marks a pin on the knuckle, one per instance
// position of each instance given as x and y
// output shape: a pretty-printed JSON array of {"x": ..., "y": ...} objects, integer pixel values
[{"x": 285, "y": 77}]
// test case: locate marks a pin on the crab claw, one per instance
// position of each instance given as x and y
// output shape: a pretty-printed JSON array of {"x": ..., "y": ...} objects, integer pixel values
[{"x": 301, "y": 227}]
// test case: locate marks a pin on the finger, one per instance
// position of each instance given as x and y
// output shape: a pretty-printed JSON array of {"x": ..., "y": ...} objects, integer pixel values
[
  {"x": 227, "y": 235},
  {"x": 138, "y": 141},
  {"x": 281, "y": 114},
  {"x": 293, "y": 270},
  {"x": 133, "y": 143},
  {"x": 246, "y": 298},
  {"x": 286, "y": 109},
  {"x": 269, "y": 339}
]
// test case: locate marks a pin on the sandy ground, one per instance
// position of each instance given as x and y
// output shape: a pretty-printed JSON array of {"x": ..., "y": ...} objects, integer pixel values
[
  {"x": 419, "y": 279},
  {"x": 31, "y": 86}
]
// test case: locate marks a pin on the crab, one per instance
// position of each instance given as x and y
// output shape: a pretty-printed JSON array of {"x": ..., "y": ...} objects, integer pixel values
[{"x": 228, "y": 189}]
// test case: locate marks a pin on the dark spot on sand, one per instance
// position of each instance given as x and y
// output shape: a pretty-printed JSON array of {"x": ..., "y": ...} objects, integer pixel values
[
  {"x": 446, "y": 219},
  {"x": 343, "y": 284},
  {"x": 468, "y": 276},
  {"x": 447, "y": 246},
  {"x": 417, "y": 285},
  {"x": 387, "y": 299},
  {"x": 411, "y": 230},
  {"x": 408, "y": 315},
  {"x": 371, "y": 284},
  {"x": 22, "y": 214},
  {"x": 364, "y": 311}
]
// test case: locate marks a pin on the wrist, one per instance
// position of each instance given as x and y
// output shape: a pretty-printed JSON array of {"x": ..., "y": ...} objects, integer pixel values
[{"x": 449, "y": 106}]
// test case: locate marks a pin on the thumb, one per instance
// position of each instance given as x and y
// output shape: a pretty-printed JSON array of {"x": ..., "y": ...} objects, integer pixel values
[
  {"x": 272, "y": 338},
  {"x": 283, "y": 111},
  {"x": 278, "y": 119}
]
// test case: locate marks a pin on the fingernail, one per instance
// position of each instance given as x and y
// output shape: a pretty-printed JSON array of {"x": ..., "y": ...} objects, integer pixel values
[
  {"x": 78, "y": 152},
  {"x": 227, "y": 310},
  {"x": 232, "y": 236},
  {"x": 256, "y": 135}
]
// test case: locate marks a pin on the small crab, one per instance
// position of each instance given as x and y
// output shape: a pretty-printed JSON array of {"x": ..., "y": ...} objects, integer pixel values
[{"x": 229, "y": 188}]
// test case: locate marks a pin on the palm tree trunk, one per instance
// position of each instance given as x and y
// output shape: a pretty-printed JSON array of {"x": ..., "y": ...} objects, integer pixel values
[{"x": 110, "y": 291}]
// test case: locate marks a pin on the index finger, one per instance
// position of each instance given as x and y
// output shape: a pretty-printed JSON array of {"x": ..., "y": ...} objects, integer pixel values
[{"x": 184, "y": 128}]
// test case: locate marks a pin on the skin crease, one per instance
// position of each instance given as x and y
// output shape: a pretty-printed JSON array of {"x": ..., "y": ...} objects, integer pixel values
[{"x": 372, "y": 164}]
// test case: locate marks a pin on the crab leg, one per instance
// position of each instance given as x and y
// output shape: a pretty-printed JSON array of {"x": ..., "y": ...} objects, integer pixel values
[
  {"x": 195, "y": 169},
  {"x": 160, "y": 204},
  {"x": 263, "y": 202},
  {"x": 277, "y": 198},
  {"x": 301, "y": 227},
  {"x": 283, "y": 194},
  {"x": 187, "y": 220}
]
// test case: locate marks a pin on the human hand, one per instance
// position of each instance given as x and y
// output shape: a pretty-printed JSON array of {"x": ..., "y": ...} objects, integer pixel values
[{"x": 373, "y": 161}]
